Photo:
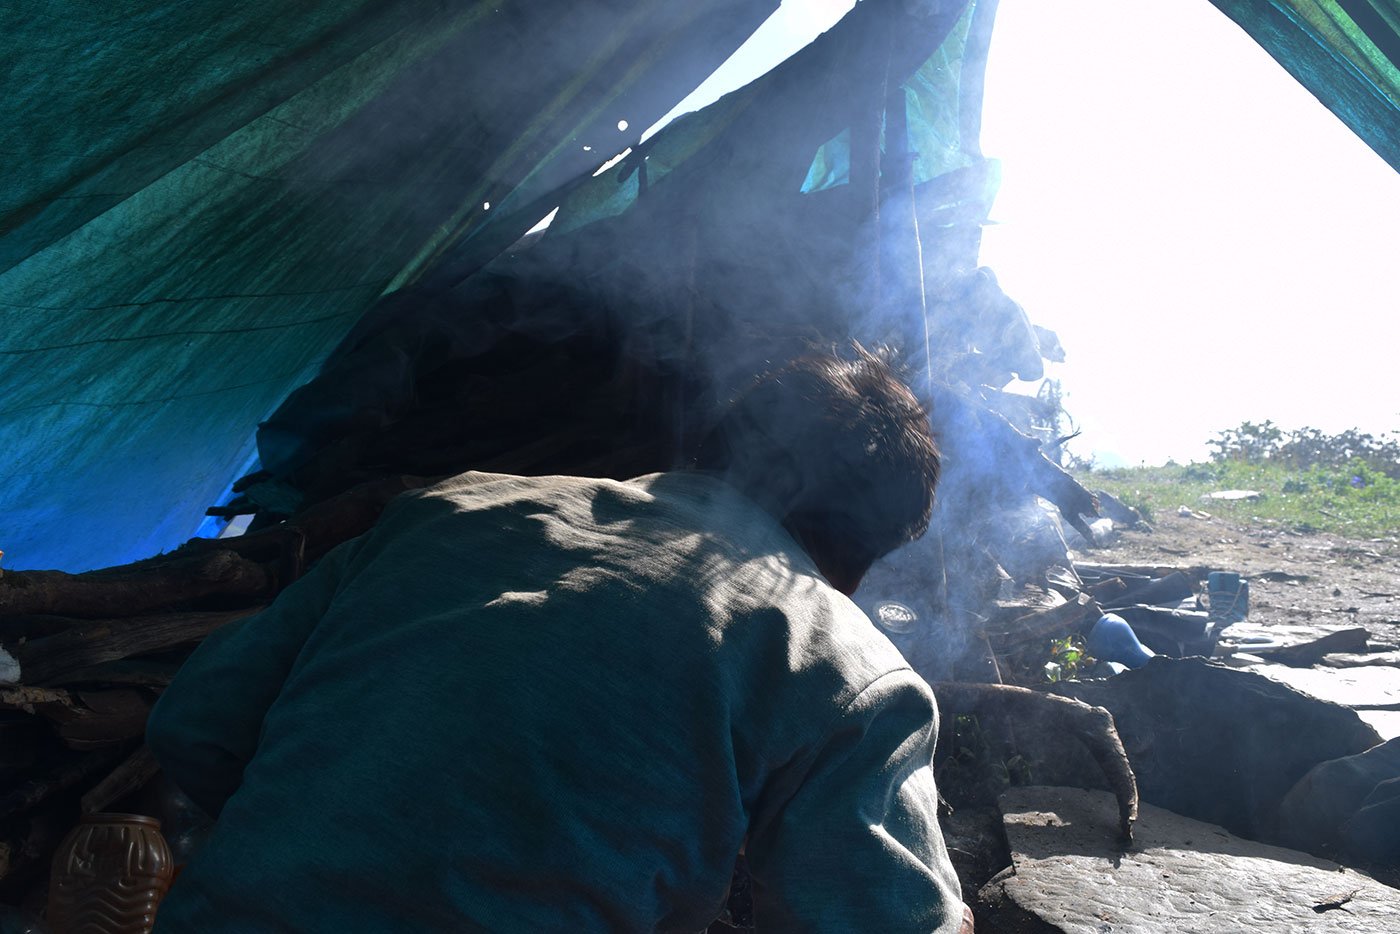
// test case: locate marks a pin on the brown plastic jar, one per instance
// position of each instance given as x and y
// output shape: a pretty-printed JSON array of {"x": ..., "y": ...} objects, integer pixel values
[{"x": 109, "y": 875}]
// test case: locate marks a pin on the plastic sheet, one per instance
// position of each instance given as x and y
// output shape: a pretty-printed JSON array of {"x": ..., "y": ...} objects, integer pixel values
[{"x": 201, "y": 199}]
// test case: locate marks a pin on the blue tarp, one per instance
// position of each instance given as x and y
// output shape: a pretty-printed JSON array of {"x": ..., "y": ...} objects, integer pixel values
[{"x": 200, "y": 199}]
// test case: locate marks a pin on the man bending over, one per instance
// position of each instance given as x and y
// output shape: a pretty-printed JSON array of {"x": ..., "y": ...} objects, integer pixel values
[{"x": 565, "y": 704}]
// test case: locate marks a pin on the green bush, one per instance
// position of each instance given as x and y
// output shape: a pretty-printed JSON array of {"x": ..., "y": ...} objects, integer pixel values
[
  {"x": 1307, "y": 447},
  {"x": 1307, "y": 480}
]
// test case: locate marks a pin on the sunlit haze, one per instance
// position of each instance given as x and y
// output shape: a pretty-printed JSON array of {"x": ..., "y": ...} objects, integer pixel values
[
  {"x": 1210, "y": 243},
  {"x": 792, "y": 26}
]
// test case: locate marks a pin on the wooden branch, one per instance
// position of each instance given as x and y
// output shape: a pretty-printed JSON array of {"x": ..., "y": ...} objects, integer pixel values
[
  {"x": 1005, "y": 444},
  {"x": 23, "y": 742},
  {"x": 1196, "y": 572},
  {"x": 137, "y": 588},
  {"x": 1055, "y": 484},
  {"x": 1165, "y": 591},
  {"x": 41, "y": 701},
  {"x": 1093, "y": 726},
  {"x": 34, "y": 792},
  {"x": 84, "y": 719},
  {"x": 106, "y": 717},
  {"x": 85, "y": 644},
  {"x": 245, "y": 569},
  {"x": 14, "y": 628},
  {"x": 134, "y": 672},
  {"x": 1108, "y": 591},
  {"x": 132, "y": 775},
  {"x": 1039, "y": 624}
]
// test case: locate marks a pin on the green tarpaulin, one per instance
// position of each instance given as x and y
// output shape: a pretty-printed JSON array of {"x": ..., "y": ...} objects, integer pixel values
[
  {"x": 200, "y": 200},
  {"x": 1346, "y": 52}
]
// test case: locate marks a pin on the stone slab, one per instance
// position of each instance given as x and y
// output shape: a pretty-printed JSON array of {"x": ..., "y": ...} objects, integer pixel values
[
  {"x": 1357, "y": 660},
  {"x": 1368, "y": 686},
  {"x": 1218, "y": 744},
  {"x": 1341, "y": 808},
  {"x": 1278, "y": 632},
  {"x": 1182, "y": 875},
  {"x": 1384, "y": 722}
]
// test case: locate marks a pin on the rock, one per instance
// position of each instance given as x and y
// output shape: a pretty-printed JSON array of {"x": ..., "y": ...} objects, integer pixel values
[
  {"x": 1369, "y": 686},
  {"x": 1233, "y": 496},
  {"x": 1306, "y": 654},
  {"x": 1272, "y": 631},
  {"x": 976, "y": 845},
  {"x": 1220, "y": 744},
  {"x": 1362, "y": 659},
  {"x": 1373, "y": 832},
  {"x": 1348, "y": 805},
  {"x": 1067, "y": 875},
  {"x": 1386, "y": 723}
]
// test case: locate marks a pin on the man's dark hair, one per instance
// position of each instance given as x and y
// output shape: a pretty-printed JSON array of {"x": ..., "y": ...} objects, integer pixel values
[{"x": 839, "y": 449}]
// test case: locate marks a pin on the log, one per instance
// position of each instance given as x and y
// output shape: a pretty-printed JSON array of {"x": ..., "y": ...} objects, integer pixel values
[
  {"x": 1093, "y": 726},
  {"x": 23, "y": 739},
  {"x": 1108, "y": 591},
  {"x": 14, "y": 628},
  {"x": 56, "y": 624},
  {"x": 1162, "y": 591},
  {"x": 148, "y": 585},
  {"x": 34, "y": 700},
  {"x": 1074, "y": 502},
  {"x": 129, "y": 777},
  {"x": 89, "y": 643},
  {"x": 134, "y": 672},
  {"x": 107, "y": 717},
  {"x": 1063, "y": 581},
  {"x": 84, "y": 719},
  {"x": 247, "y": 568},
  {"x": 67, "y": 775},
  {"x": 1059, "y": 620},
  {"x": 1091, "y": 571}
]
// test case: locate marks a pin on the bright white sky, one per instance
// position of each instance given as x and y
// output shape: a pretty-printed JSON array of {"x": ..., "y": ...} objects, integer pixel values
[{"x": 1210, "y": 243}]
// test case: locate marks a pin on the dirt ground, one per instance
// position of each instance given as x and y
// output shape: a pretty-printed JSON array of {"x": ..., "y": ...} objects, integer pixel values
[{"x": 1302, "y": 584}]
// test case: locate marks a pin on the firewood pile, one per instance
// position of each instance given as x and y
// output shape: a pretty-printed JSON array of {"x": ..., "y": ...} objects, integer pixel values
[
  {"x": 603, "y": 349},
  {"x": 83, "y": 674},
  {"x": 86, "y": 655}
]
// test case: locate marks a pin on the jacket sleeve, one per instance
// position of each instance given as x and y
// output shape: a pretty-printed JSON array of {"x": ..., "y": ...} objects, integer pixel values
[
  {"x": 856, "y": 845},
  {"x": 205, "y": 727}
]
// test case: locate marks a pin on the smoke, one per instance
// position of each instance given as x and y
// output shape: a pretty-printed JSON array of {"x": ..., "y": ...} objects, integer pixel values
[{"x": 698, "y": 261}]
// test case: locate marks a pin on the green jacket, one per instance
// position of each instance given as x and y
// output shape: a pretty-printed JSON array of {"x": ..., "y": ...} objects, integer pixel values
[{"x": 557, "y": 704}]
